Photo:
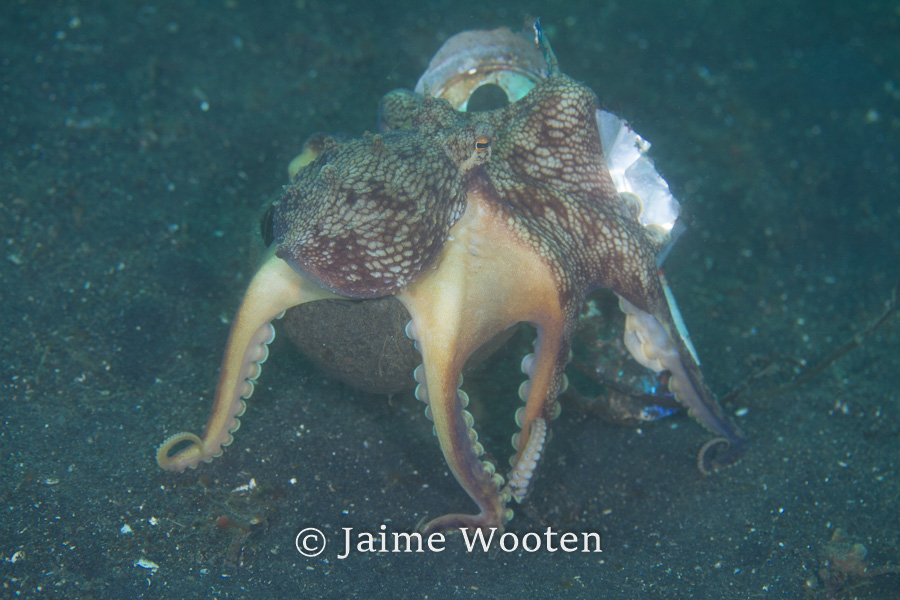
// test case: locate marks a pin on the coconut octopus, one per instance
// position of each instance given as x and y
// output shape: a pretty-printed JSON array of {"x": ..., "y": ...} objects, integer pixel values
[{"x": 475, "y": 222}]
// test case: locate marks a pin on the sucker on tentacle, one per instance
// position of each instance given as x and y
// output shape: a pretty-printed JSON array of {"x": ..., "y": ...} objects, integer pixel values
[{"x": 519, "y": 479}]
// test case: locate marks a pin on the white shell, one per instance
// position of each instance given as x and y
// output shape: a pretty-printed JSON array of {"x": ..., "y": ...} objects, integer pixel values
[{"x": 633, "y": 172}]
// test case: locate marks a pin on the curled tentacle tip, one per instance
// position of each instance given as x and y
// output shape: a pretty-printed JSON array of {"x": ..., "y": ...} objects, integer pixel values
[
  {"x": 420, "y": 525},
  {"x": 710, "y": 461},
  {"x": 187, "y": 456},
  {"x": 454, "y": 522}
]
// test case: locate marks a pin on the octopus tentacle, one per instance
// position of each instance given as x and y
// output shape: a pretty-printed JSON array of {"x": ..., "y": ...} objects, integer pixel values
[
  {"x": 275, "y": 288},
  {"x": 523, "y": 471},
  {"x": 546, "y": 379},
  {"x": 655, "y": 342},
  {"x": 705, "y": 464},
  {"x": 438, "y": 380}
]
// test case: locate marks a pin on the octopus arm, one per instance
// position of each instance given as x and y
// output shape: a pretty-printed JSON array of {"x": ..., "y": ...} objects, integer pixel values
[
  {"x": 484, "y": 281},
  {"x": 274, "y": 288},
  {"x": 656, "y": 342}
]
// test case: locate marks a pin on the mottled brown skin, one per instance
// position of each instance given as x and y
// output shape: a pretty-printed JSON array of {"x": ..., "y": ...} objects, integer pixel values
[
  {"x": 475, "y": 223},
  {"x": 364, "y": 218}
]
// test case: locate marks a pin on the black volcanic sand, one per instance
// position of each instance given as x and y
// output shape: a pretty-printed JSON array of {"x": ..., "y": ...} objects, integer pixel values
[{"x": 140, "y": 144}]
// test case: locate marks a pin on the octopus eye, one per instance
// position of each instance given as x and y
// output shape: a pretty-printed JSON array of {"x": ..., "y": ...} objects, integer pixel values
[{"x": 481, "y": 143}]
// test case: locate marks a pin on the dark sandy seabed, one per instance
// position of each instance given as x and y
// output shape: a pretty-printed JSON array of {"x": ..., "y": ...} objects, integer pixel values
[{"x": 140, "y": 143}]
